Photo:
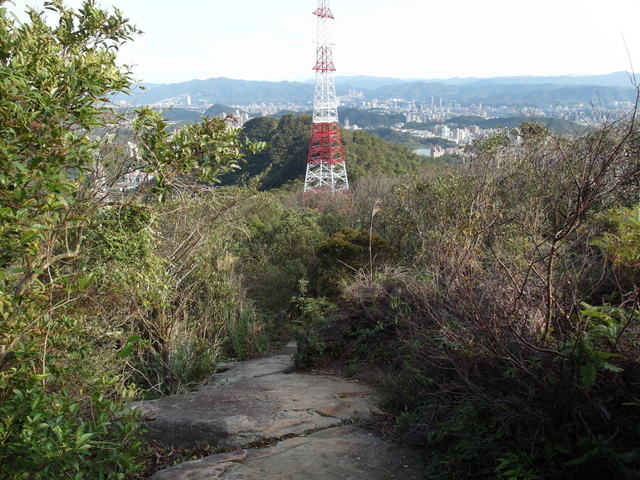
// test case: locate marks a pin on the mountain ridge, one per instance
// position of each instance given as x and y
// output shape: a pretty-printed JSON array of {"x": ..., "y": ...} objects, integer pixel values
[{"x": 617, "y": 86}]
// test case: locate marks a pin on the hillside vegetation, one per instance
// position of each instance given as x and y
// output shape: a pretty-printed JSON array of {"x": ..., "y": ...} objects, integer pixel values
[
  {"x": 504, "y": 306},
  {"x": 494, "y": 302},
  {"x": 283, "y": 162}
]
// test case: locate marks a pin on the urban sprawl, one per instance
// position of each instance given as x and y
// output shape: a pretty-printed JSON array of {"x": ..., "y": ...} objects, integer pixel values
[{"x": 435, "y": 112}]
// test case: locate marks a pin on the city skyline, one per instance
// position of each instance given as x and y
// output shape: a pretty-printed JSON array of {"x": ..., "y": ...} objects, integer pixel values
[{"x": 274, "y": 40}]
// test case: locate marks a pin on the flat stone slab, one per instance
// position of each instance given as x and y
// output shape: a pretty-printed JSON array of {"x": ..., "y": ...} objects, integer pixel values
[
  {"x": 258, "y": 367},
  {"x": 342, "y": 453},
  {"x": 255, "y": 401}
]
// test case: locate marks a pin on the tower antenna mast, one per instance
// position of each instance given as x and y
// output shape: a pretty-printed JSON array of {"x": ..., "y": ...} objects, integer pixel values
[{"x": 326, "y": 170}]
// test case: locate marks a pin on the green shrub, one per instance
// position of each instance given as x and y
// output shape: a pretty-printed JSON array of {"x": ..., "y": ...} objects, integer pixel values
[
  {"x": 61, "y": 407},
  {"x": 311, "y": 315},
  {"x": 49, "y": 434},
  {"x": 519, "y": 337},
  {"x": 274, "y": 249}
]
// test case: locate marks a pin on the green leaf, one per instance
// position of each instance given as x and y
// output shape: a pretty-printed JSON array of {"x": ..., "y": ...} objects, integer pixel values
[
  {"x": 588, "y": 374},
  {"x": 128, "y": 346},
  {"x": 85, "y": 281},
  {"x": 84, "y": 439},
  {"x": 20, "y": 167},
  {"x": 126, "y": 351},
  {"x": 28, "y": 237}
]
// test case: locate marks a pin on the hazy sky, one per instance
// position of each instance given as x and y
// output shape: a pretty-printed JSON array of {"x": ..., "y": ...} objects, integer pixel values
[{"x": 274, "y": 39}]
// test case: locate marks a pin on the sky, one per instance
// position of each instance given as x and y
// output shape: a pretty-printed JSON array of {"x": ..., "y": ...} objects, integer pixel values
[{"x": 274, "y": 39}]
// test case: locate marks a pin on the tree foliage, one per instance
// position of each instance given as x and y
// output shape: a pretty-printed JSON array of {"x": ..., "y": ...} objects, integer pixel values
[
  {"x": 203, "y": 150},
  {"x": 55, "y": 80},
  {"x": 369, "y": 155},
  {"x": 369, "y": 119},
  {"x": 86, "y": 295}
]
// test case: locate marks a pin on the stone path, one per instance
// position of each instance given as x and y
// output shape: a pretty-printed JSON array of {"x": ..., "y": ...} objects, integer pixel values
[{"x": 262, "y": 400}]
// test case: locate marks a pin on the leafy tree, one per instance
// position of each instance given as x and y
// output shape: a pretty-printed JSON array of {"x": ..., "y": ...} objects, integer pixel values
[
  {"x": 55, "y": 82},
  {"x": 62, "y": 364},
  {"x": 288, "y": 150},
  {"x": 285, "y": 158},
  {"x": 369, "y": 155},
  {"x": 260, "y": 129},
  {"x": 202, "y": 151}
]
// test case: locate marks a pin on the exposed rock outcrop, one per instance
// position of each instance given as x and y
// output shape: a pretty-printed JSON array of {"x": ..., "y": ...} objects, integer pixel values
[
  {"x": 256, "y": 401},
  {"x": 262, "y": 400},
  {"x": 342, "y": 453}
]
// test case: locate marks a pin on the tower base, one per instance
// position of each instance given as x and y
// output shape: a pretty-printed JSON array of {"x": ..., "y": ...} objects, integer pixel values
[{"x": 326, "y": 171}]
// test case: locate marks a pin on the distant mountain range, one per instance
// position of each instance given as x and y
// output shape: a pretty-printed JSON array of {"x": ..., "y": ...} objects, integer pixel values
[
  {"x": 529, "y": 90},
  {"x": 617, "y": 79}
]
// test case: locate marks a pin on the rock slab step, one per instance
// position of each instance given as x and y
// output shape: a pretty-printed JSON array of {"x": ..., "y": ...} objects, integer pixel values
[
  {"x": 263, "y": 400},
  {"x": 341, "y": 453},
  {"x": 255, "y": 401}
]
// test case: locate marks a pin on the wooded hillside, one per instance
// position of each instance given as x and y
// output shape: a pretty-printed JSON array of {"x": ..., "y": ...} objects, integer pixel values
[
  {"x": 287, "y": 142},
  {"x": 495, "y": 303}
]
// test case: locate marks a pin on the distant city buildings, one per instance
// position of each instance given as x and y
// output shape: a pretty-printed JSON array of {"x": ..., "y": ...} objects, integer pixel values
[{"x": 422, "y": 119}]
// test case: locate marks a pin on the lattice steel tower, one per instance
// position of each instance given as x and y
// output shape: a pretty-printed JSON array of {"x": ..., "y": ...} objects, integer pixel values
[{"x": 326, "y": 171}]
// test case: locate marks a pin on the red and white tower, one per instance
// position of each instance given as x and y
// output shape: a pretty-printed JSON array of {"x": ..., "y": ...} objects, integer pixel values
[{"x": 326, "y": 171}]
